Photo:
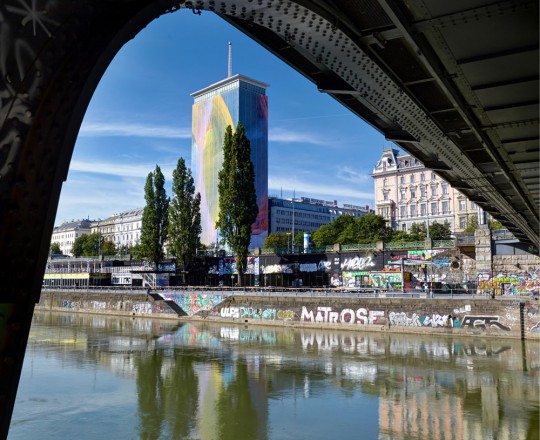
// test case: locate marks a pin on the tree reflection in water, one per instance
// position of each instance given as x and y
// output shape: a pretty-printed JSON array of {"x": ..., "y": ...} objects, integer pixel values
[{"x": 210, "y": 381}]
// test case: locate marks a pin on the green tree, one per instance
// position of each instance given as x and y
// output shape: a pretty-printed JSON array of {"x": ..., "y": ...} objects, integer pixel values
[
  {"x": 275, "y": 240},
  {"x": 366, "y": 229},
  {"x": 418, "y": 232},
  {"x": 108, "y": 248},
  {"x": 472, "y": 224},
  {"x": 78, "y": 246},
  {"x": 440, "y": 231},
  {"x": 54, "y": 249},
  {"x": 400, "y": 236},
  {"x": 495, "y": 224},
  {"x": 328, "y": 235},
  {"x": 155, "y": 217},
  {"x": 88, "y": 245},
  {"x": 184, "y": 216},
  {"x": 237, "y": 198},
  {"x": 137, "y": 251}
]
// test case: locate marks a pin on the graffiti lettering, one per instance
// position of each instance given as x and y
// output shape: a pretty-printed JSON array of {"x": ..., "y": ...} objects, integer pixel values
[
  {"x": 142, "y": 308},
  {"x": 346, "y": 316},
  {"x": 230, "y": 312},
  {"x": 465, "y": 309},
  {"x": 277, "y": 268},
  {"x": 308, "y": 267},
  {"x": 357, "y": 263},
  {"x": 324, "y": 265},
  {"x": 285, "y": 314},
  {"x": 483, "y": 322},
  {"x": 402, "y": 320}
]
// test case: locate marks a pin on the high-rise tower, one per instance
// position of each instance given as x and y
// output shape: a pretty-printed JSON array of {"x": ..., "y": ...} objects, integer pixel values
[{"x": 228, "y": 102}]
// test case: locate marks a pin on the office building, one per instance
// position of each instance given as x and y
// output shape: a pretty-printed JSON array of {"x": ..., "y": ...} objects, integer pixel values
[{"x": 236, "y": 99}]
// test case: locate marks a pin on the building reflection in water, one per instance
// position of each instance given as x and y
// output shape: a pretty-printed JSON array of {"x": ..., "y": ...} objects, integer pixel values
[{"x": 210, "y": 381}]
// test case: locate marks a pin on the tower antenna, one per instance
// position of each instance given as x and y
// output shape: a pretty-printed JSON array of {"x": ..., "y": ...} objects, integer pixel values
[{"x": 230, "y": 60}]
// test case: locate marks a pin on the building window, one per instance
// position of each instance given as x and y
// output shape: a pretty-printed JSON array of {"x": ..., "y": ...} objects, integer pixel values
[
  {"x": 423, "y": 192},
  {"x": 422, "y": 177},
  {"x": 433, "y": 190},
  {"x": 413, "y": 210},
  {"x": 462, "y": 205},
  {"x": 473, "y": 205},
  {"x": 413, "y": 193},
  {"x": 434, "y": 208},
  {"x": 385, "y": 196},
  {"x": 412, "y": 178},
  {"x": 402, "y": 180},
  {"x": 385, "y": 182},
  {"x": 402, "y": 211},
  {"x": 433, "y": 176},
  {"x": 445, "y": 188},
  {"x": 462, "y": 222},
  {"x": 403, "y": 192},
  {"x": 404, "y": 227},
  {"x": 423, "y": 209},
  {"x": 445, "y": 207}
]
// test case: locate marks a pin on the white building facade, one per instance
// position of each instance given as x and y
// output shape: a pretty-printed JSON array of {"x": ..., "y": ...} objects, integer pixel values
[
  {"x": 406, "y": 192},
  {"x": 123, "y": 229},
  {"x": 66, "y": 234}
]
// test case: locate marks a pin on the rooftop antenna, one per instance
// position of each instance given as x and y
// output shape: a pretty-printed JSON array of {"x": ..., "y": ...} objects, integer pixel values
[{"x": 230, "y": 60}]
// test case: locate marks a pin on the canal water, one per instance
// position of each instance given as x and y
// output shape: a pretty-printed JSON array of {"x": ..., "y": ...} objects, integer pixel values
[{"x": 100, "y": 377}]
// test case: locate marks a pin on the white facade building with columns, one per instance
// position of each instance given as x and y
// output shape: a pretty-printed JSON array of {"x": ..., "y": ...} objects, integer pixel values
[{"x": 406, "y": 192}]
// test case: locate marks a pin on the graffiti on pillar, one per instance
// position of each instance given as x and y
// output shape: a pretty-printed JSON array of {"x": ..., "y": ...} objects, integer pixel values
[{"x": 483, "y": 322}]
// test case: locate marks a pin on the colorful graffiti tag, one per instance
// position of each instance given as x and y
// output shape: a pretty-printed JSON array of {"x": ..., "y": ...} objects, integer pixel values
[
  {"x": 192, "y": 303},
  {"x": 510, "y": 284}
]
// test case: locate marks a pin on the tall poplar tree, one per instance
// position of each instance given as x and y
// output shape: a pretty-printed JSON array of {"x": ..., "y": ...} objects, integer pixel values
[
  {"x": 237, "y": 197},
  {"x": 184, "y": 215},
  {"x": 155, "y": 218}
]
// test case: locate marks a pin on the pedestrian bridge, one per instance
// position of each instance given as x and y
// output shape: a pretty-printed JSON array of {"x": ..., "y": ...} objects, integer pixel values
[{"x": 453, "y": 83}]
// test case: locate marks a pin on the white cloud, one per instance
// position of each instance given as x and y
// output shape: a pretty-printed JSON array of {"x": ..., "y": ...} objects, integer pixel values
[
  {"x": 288, "y": 136},
  {"x": 322, "y": 188},
  {"x": 94, "y": 129},
  {"x": 357, "y": 177},
  {"x": 118, "y": 169}
]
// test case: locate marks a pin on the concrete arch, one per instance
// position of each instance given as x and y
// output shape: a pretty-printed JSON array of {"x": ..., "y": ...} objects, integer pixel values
[
  {"x": 53, "y": 55},
  {"x": 405, "y": 67}
]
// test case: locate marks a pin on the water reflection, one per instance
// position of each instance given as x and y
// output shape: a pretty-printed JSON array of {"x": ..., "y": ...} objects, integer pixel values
[{"x": 209, "y": 381}]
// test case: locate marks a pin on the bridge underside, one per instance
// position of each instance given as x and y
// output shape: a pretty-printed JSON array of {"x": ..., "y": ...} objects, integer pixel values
[{"x": 453, "y": 83}]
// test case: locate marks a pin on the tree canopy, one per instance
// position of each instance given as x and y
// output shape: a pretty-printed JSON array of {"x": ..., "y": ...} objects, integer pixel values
[
  {"x": 88, "y": 245},
  {"x": 348, "y": 229},
  {"x": 54, "y": 249},
  {"x": 237, "y": 197},
  {"x": 184, "y": 216},
  {"x": 155, "y": 217}
]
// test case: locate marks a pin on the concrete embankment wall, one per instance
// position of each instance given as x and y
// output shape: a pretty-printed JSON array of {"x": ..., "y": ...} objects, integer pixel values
[
  {"x": 497, "y": 318},
  {"x": 125, "y": 304},
  {"x": 510, "y": 318}
]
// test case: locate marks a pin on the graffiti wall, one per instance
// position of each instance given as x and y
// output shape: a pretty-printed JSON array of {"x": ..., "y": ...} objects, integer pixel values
[
  {"x": 133, "y": 304},
  {"x": 475, "y": 317},
  {"x": 193, "y": 302},
  {"x": 522, "y": 284}
]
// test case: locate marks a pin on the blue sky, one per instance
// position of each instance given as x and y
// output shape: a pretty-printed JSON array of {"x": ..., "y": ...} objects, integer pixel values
[{"x": 140, "y": 116}]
